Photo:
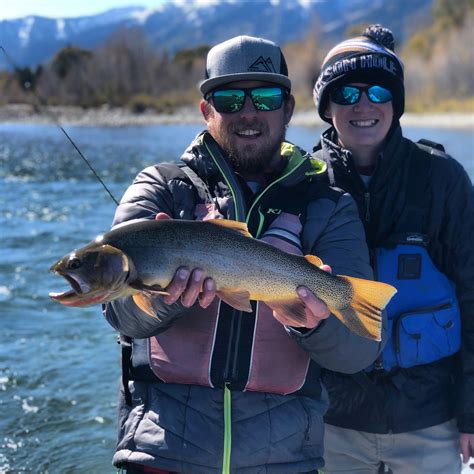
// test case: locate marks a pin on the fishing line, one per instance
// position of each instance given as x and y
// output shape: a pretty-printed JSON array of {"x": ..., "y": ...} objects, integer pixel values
[{"x": 26, "y": 85}]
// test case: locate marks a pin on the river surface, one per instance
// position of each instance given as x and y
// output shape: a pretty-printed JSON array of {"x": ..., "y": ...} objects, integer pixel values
[{"x": 59, "y": 367}]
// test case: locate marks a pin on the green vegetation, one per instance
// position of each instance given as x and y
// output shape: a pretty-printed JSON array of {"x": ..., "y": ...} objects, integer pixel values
[
  {"x": 422, "y": 106},
  {"x": 69, "y": 58},
  {"x": 128, "y": 72},
  {"x": 27, "y": 78},
  {"x": 188, "y": 56},
  {"x": 439, "y": 61},
  {"x": 164, "y": 104},
  {"x": 451, "y": 13}
]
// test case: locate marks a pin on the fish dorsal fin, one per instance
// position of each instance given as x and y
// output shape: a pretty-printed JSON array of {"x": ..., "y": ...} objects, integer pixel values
[
  {"x": 316, "y": 261},
  {"x": 240, "y": 227}
]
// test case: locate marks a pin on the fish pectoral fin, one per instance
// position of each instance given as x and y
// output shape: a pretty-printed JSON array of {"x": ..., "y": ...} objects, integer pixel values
[
  {"x": 314, "y": 260},
  {"x": 240, "y": 227},
  {"x": 157, "y": 292},
  {"x": 291, "y": 311},
  {"x": 364, "y": 315},
  {"x": 238, "y": 299},
  {"x": 144, "y": 303}
]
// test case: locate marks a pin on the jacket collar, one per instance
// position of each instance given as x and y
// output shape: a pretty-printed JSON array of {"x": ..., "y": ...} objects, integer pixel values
[{"x": 391, "y": 159}]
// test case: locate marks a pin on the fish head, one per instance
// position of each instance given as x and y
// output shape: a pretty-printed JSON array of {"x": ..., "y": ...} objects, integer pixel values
[{"x": 97, "y": 273}]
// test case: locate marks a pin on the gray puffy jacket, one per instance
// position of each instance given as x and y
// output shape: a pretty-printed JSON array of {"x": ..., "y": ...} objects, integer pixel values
[{"x": 222, "y": 425}]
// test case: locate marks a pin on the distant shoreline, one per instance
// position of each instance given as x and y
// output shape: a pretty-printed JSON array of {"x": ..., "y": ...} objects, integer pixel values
[{"x": 107, "y": 116}]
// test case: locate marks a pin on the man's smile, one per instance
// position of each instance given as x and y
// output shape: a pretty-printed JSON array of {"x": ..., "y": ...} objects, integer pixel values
[{"x": 248, "y": 133}]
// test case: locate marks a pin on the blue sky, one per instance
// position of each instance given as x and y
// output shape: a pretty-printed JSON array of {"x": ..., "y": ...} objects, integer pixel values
[{"x": 63, "y": 8}]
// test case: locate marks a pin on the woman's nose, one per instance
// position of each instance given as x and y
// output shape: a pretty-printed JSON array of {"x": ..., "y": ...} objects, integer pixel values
[{"x": 364, "y": 101}]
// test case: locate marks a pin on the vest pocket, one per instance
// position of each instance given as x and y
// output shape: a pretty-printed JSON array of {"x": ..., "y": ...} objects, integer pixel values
[{"x": 427, "y": 334}]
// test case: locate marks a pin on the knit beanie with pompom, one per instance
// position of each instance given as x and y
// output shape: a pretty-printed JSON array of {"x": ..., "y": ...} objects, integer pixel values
[{"x": 367, "y": 59}]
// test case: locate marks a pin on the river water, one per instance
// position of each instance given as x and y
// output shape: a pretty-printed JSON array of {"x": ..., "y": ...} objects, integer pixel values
[{"x": 59, "y": 367}]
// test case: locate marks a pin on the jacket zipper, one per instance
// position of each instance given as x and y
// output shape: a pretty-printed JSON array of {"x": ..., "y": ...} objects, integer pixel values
[
  {"x": 232, "y": 353},
  {"x": 378, "y": 363},
  {"x": 227, "y": 430},
  {"x": 230, "y": 369},
  {"x": 232, "y": 342},
  {"x": 367, "y": 206}
]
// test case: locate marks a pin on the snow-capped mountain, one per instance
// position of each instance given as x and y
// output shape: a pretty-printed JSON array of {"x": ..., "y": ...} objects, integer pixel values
[{"x": 179, "y": 24}]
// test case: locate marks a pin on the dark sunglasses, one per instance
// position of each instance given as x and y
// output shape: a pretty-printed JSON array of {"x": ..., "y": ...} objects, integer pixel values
[
  {"x": 264, "y": 99},
  {"x": 349, "y": 95}
]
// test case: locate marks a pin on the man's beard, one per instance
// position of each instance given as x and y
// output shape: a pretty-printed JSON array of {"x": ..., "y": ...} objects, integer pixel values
[{"x": 252, "y": 158}]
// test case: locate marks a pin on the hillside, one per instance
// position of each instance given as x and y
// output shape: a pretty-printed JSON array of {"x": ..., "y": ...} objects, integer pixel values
[
  {"x": 34, "y": 40},
  {"x": 153, "y": 59}
]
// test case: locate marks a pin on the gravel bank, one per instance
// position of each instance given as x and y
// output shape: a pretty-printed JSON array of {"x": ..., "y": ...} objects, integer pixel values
[{"x": 107, "y": 116}]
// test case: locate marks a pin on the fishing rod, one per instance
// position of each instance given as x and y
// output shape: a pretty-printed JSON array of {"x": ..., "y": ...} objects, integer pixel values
[{"x": 27, "y": 85}]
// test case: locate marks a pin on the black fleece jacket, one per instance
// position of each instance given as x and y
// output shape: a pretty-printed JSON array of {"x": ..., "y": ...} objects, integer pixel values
[{"x": 426, "y": 395}]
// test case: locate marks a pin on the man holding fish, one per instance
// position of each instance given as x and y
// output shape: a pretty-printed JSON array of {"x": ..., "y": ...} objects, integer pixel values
[{"x": 232, "y": 383}]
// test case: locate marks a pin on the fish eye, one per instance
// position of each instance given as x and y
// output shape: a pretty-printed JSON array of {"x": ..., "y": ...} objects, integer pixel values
[{"x": 74, "y": 263}]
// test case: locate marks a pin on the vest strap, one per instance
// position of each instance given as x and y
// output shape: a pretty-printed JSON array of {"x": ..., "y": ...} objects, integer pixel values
[{"x": 417, "y": 199}]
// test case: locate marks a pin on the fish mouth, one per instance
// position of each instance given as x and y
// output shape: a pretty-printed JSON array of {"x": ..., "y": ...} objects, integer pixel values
[
  {"x": 79, "y": 290},
  {"x": 71, "y": 298}
]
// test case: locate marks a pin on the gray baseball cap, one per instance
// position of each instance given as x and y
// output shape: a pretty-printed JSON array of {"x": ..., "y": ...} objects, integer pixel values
[{"x": 245, "y": 58}]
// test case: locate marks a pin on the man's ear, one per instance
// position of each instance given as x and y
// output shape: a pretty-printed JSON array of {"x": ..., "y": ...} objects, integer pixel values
[
  {"x": 289, "y": 108},
  {"x": 205, "y": 109}
]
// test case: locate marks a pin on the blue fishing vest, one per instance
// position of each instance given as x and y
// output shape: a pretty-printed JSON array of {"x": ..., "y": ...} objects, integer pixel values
[{"x": 424, "y": 321}]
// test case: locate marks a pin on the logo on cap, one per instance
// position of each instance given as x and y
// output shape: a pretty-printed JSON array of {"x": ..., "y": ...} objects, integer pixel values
[{"x": 262, "y": 65}]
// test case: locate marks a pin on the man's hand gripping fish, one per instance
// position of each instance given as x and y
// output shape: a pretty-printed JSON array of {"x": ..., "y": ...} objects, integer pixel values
[{"x": 141, "y": 258}]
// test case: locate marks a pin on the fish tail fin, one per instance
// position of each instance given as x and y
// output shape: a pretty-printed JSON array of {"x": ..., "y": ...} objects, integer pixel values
[{"x": 364, "y": 314}]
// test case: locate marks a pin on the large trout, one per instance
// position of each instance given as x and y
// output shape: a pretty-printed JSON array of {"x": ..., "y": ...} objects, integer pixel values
[{"x": 141, "y": 258}]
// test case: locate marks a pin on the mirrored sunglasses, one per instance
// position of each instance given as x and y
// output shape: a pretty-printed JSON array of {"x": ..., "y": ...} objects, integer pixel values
[
  {"x": 349, "y": 95},
  {"x": 264, "y": 99}
]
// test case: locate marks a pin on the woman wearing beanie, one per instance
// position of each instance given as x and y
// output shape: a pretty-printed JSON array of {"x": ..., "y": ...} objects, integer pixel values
[{"x": 413, "y": 410}]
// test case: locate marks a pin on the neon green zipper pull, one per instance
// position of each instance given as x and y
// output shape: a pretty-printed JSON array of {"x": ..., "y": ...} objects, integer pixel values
[{"x": 227, "y": 430}]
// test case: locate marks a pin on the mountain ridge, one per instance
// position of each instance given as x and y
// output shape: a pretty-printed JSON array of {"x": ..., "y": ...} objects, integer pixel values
[{"x": 175, "y": 25}]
